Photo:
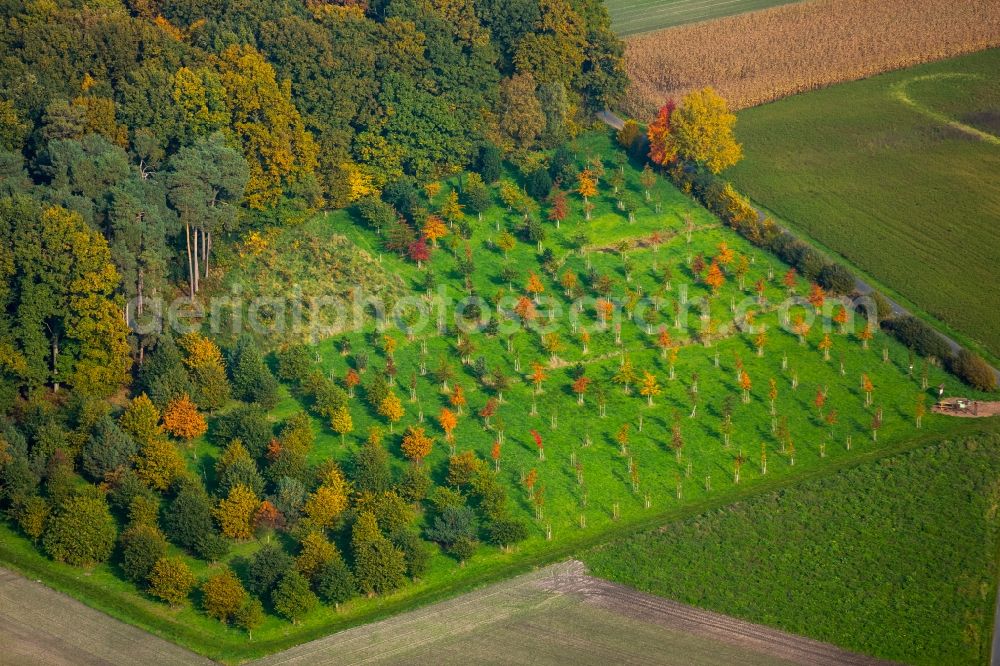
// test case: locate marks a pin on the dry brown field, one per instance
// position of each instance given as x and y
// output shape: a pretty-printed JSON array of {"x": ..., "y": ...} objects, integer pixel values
[{"x": 762, "y": 56}]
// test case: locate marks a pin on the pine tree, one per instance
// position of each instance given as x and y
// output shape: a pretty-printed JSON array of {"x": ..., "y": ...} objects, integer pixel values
[
  {"x": 371, "y": 466},
  {"x": 252, "y": 380},
  {"x": 334, "y": 581}
]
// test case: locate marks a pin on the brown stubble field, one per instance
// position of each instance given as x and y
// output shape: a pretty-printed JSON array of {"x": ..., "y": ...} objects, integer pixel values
[{"x": 762, "y": 56}]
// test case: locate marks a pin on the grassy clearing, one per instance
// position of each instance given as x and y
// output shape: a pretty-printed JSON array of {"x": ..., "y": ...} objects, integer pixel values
[
  {"x": 887, "y": 185},
  {"x": 896, "y": 558},
  {"x": 668, "y": 485},
  {"x": 629, "y": 17}
]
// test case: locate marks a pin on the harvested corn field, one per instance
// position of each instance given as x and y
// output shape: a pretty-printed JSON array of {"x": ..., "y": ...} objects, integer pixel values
[{"x": 762, "y": 56}]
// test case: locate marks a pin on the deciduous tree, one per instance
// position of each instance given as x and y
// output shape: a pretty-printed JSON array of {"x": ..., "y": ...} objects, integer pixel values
[
  {"x": 171, "y": 580},
  {"x": 81, "y": 531},
  {"x": 222, "y": 595},
  {"x": 235, "y": 513},
  {"x": 702, "y": 127},
  {"x": 416, "y": 444},
  {"x": 182, "y": 419},
  {"x": 292, "y": 597}
]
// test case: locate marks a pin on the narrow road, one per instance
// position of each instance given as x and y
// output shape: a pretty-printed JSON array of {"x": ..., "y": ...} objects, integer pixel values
[
  {"x": 612, "y": 120},
  {"x": 41, "y": 626}
]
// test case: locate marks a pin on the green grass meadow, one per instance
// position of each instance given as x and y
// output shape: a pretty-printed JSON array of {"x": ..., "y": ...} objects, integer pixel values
[
  {"x": 898, "y": 175},
  {"x": 896, "y": 559},
  {"x": 629, "y": 17},
  {"x": 600, "y": 491}
]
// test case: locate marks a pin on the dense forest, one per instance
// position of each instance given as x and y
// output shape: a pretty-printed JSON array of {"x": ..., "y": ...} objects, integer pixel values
[{"x": 135, "y": 135}]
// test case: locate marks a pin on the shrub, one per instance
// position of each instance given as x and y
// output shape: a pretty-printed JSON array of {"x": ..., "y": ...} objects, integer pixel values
[
  {"x": 81, "y": 532},
  {"x": 809, "y": 262},
  {"x": 171, "y": 580},
  {"x": 973, "y": 370},
  {"x": 883, "y": 308},
  {"x": 836, "y": 279},
  {"x": 920, "y": 337},
  {"x": 31, "y": 513},
  {"x": 505, "y": 531}
]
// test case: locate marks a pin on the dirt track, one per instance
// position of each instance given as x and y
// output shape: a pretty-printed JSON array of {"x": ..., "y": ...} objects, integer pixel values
[
  {"x": 41, "y": 626},
  {"x": 561, "y": 615}
]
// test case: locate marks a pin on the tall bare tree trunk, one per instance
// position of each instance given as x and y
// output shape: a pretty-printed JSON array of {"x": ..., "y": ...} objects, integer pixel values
[
  {"x": 197, "y": 271},
  {"x": 187, "y": 233},
  {"x": 208, "y": 250}
]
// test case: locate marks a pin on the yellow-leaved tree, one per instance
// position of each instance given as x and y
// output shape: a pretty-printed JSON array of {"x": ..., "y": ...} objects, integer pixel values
[
  {"x": 280, "y": 150},
  {"x": 235, "y": 513},
  {"x": 702, "y": 127}
]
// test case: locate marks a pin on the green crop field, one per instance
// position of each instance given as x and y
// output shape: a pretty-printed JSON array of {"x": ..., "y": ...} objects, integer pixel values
[
  {"x": 896, "y": 558},
  {"x": 592, "y": 486},
  {"x": 898, "y": 174},
  {"x": 629, "y": 17}
]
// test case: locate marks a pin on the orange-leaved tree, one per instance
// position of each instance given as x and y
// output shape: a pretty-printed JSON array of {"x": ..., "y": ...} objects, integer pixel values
[{"x": 183, "y": 420}]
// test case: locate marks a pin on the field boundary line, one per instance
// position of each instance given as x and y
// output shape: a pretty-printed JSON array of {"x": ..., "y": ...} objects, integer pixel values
[{"x": 898, "y": 92}]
